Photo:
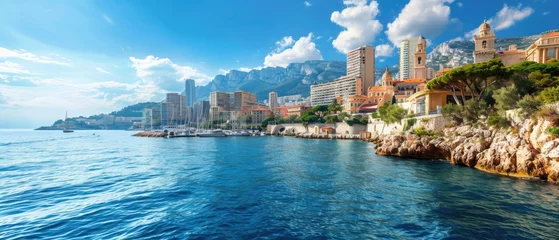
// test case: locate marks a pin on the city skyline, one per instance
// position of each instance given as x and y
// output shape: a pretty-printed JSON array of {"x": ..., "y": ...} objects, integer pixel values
[{"x": 90, "y": 57}]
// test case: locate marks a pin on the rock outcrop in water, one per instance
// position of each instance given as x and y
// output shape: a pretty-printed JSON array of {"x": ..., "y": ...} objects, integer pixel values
[{"x": 525, "y": 151}]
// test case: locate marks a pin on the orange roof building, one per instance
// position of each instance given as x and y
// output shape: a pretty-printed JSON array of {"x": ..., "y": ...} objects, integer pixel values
[{"x": 544, "y": 49}]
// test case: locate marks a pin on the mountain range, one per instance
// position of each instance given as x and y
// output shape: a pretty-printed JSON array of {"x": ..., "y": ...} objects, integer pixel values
[{"x": 296, "y": 78}]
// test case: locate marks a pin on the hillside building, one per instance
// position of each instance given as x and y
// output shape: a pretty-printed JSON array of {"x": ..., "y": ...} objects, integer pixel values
[
  {"x": 485, "y": 48},
  {"x": 545, "y": 48}
]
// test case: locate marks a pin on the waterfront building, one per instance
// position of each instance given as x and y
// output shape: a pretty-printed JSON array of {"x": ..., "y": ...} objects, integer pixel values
[
  {"x": 222, "y": 100},
  {"x": 259, "y": 114},
  {"x": 190, "y": 92},
  {"x": 281, "y": 111},
  {"x": 485, "y": 48},
  {"x": 545, "y": 48},
  {"x": 201, "y": 111},
  {"x": 244, "y": 101},
  {"x": 273, "y": 100},
  {"x": 359, "y": 77},
  {"x": 297, "y": 110},
  {"x": 325, "y": 93},
  {"x": 407, "y": 47}
]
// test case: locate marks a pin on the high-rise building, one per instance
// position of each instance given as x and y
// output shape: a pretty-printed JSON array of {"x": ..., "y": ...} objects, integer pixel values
[
  {"x": 222, "y": 100},
  {"x": 430, "y": 73},
  {"x": 201, "y": 111},
  {"x": 273, "y": 100},
  {"x": 420, "y": 56},
  {"x": 407, "y": 48},
  {"x": 190, "y": 92},
  {"x": 244, "y": 101},
  {"x": 361, "y": 63},
  {"x": 360, "y": 76}
]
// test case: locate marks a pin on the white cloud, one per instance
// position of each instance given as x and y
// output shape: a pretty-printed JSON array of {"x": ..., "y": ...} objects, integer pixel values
[
  {"x": 302, "y": 50},
  {"x": 308, "y": 4},
  {"x": 22, "y": 54},
  {"x": 381, "y": 60},
  {"x": 284, "y": 43},
  {"x": 12, "y": 67},
  {"x": 166, "y": 74},
  {"x": 108, "y": 19},
  {"x": 358, "y": 19},
  {"x": 102, "y": 70},
  {"x": 505, "y": 18},
  {"x": 545, "y": 13},
  {"x": 428, "y": 18},
  {"x": 319, "y": 37},
  {"x": 384, "y": 50},
  {"x": 460, "y": 4}
]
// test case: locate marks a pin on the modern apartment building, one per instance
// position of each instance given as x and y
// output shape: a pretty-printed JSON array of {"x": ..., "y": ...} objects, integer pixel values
[
  {"x": 244, "y": 101},
  {"x": 190, "y": 92},
  {"x": 360, "y": 76},
  {"x": 361, "y": 63},
  {"x": 222, "y": 100},
  {"x": 325, "y": 93},
  {"x": 273, "y": 100},
  {"x": 407, "y": 50}
]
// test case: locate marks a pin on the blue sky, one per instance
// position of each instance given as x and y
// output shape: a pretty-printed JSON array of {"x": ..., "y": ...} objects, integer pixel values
[{"x": 88, "y": 57}]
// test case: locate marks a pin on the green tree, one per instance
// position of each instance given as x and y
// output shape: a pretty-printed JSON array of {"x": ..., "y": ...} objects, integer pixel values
[
  {"x": 391, "y": 113},
  {"x": 453, "y": 112},
  {"x": 531, "y": 77},
  {"x": 550, "y": 95},
  {"x": 320, "y": 110},
  {"x": 474, "y": 78},
  {"x": 473, "y": 110},
  {"x": 506, "y": 98},
  {"x": 528, "y": 106},
  {"x": 334, "y": 107}
]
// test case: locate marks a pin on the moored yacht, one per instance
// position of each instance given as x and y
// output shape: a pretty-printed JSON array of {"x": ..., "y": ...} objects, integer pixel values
[{"x": 212, "y": 133}]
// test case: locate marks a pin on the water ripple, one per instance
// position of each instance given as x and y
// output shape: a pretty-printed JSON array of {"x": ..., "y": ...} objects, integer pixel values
[{"x": 75, "y": 186}]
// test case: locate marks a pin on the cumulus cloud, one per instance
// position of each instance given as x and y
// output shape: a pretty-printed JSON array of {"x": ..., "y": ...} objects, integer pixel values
[
  {"x": 384, "y": 50},
  {"x": 12, "y": 67},
  {"x": 22, "y": 54},
  {"x": 102, "y": 70},
  {"x": 302, "y": 50},
  {"x": 428, "y": 18},
  {"x": 284, "y": 43},
  {"x": 165, "y": 74},
  {"x": 308, "y": 4},
  {"x": 505, "y": 18},
  {"x": 358, "y": 19}
]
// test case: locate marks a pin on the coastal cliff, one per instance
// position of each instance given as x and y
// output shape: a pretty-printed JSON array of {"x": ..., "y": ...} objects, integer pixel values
[{"x": 525, "y": 151}]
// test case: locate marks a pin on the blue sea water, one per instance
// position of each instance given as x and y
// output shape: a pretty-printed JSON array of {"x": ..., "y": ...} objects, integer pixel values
[{"x": 115, "y": 186}]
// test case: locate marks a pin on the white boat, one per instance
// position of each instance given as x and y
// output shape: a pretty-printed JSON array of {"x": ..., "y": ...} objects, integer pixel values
[
  {"x": 238, "y": 133},
  {"x": 212, "y": 133}
]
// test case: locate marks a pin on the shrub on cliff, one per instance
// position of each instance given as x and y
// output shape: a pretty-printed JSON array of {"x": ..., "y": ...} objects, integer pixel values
[
  {"x": 498, "y": 121},
  {"x": 550, "y": 95},
  {"x": 528, "y": 106},
  {"x": 506, "y": 99},
  {"x": 453, "y": 112},
  {"x": 553, "y": 131},
  {"x": 473, "y": 110},
  {"x": 409, "y": 123}
]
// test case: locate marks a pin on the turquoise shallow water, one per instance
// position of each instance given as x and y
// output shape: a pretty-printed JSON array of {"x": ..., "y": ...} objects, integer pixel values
[{"x": 80, "y": 186}]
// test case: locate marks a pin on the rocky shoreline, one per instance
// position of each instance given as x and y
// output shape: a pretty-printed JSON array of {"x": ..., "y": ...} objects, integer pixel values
[{"x": 523, "y": 151}]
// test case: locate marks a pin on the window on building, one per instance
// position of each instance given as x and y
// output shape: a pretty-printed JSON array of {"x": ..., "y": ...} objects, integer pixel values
[
  {"x": 419, "y": 60},
  {"x": 484, "y": 44}
]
